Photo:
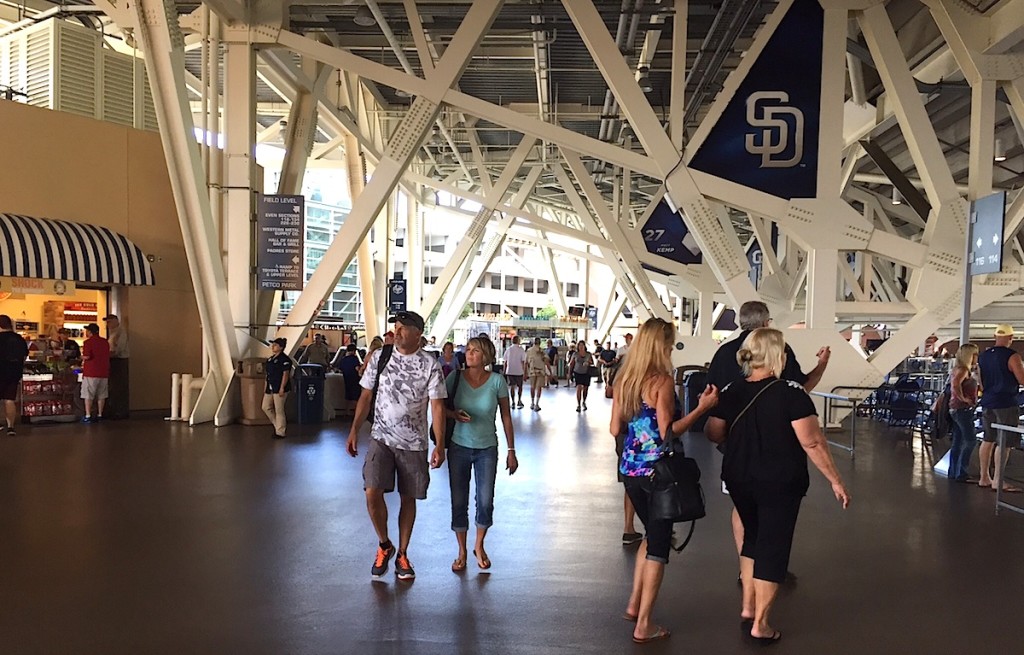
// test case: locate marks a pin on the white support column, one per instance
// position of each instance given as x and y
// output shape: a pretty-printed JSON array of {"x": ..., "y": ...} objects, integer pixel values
[
  {"x": 405, "y": 141},
  {"x": 162, "y": 43},
  {"x": 239, "y": 194},
  {"x": 364, "y": 254},
  {"x": 822, "y": 278},
  {"x": 982, "y": 148},
  {"x": 414, "y": 248},
  {"x": 705, "y": 313},
  {"x": 614, "y": 310},
  {"x": 833, "y": 92}
]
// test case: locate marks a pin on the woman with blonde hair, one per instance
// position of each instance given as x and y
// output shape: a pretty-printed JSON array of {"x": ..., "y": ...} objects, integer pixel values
[
  {"x": 645, "y": 408},
  {"x": 963, "y": 398},
  {"x": 375, "y": 344},
  {"x": 771, "y": 427},
  {"x": 477, "y": 397}
]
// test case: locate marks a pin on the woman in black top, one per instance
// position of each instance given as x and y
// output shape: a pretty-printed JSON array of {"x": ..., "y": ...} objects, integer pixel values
[
  {"x": 279, "y": 370},
  {"x": 771, "y": 427}
]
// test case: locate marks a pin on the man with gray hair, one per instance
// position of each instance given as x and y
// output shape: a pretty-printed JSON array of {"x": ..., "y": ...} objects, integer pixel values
[{"x": 724, "y": 370}]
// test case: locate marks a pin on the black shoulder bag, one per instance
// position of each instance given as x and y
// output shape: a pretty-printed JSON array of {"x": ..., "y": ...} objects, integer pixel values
[
  {"x": 449, "y": 404},
  {"x": 382, "y": 361},
  {"x": 676, "y": 494}
]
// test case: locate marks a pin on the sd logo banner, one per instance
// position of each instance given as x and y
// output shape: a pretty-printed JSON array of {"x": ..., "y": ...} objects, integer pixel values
[{"x": 767, "y": 137}]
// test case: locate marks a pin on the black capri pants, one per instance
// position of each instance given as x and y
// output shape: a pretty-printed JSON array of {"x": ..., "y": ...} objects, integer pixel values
[
  {"x": 769, "y": 521},
  {"x": 659, "y": 533}
]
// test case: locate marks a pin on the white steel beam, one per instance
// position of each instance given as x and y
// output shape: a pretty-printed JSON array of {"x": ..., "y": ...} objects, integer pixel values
[
  {"x": 549, "y": 263},
  {"x": 455, "y": 302},
  {"x": 677, "y": 92},
  {"x": 475, "y": 234},
  {"x": 404, "y": 143},
  {"x": 161, "y": 40}
]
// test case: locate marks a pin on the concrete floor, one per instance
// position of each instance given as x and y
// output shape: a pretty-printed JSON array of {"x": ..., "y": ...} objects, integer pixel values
[{"x": 146, "y": 537}]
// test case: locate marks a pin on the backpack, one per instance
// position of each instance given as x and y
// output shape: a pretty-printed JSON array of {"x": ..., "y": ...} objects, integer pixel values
[
  {"x": 940, "y": 415},
  {"x": 382, "y": 361}
]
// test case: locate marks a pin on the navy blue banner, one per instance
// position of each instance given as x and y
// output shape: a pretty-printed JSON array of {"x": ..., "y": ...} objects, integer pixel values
[
  {"x": 397, "y": 295},
  {"x": 767, "y": 137},
  {"x": 755, "y": 257},
  {"x": 592, "y": 315},
  {"x": 666, "y": 235}
]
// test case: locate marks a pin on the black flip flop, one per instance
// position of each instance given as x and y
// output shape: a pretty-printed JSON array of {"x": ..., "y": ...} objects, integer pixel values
[{"x": 768, "y": 641}]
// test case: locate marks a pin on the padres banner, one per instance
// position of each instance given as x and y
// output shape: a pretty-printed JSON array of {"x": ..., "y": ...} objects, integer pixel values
[
  {"x": 397, "y": 295},
  {"x": 767, "y": 137}
]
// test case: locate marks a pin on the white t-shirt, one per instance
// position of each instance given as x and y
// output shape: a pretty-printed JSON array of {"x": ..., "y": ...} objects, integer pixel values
[
  {"x": 407, "y": 384},
  {"x": 621, "y": 352},
  {"x": 515, "y": 360}
]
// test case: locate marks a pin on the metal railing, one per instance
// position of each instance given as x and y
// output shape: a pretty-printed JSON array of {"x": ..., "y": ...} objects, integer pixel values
[
  {"x": 1001, "y": 466},
  {"x": 832, "y": 401}
]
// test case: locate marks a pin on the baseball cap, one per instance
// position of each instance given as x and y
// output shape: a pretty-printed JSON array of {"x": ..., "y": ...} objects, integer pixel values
[
  {"x": 412, "y": 319},
  {"x": 110, "y": 316},
  {"x": 93, "y": 327},
  {"x": 281, "y": 341},
  {"x": 1003, "y": 330}
]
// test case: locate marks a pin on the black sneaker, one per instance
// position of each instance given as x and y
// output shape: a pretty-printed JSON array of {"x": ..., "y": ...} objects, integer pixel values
[
  {"x": 380, "y": 564},
  {"x": 630, "y": 538},
  {"x": 11, "y": 432},
  {"x": 520, "y": 405},
  {"x": 403, "y": 568}
]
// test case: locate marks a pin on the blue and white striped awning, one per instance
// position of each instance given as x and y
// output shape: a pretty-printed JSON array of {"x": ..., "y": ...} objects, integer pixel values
[{"x": 60, "y": 250}]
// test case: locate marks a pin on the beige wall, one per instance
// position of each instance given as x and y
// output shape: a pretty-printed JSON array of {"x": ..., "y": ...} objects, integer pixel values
[{"x": 58, "y": 165}]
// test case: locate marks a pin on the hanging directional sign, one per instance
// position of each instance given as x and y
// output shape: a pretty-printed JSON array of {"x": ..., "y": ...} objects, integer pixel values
[
  {"x": 397, "y": 295},
  {"x": 767, "y": 136},
  {"x": 987, "y": 216},
  {"x": 280, "y": 233},
  {"x": 666, "y": 235},
  {"x": 592, "y": 315}
]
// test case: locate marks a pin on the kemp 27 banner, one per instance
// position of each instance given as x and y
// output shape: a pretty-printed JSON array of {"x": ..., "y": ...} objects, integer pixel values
[{"x": 767, "y": 137}]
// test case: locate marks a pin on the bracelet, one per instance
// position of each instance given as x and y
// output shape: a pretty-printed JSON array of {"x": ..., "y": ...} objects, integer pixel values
[{"x": 511, "y": 450}]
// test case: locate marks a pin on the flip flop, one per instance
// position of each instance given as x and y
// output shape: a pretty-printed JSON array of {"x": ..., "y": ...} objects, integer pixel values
[
  {"x": 626, "y": 616},
  {"x": 1010, "y": 490},
  {"x": 768, "y": 641},
  {"x": 659, "y": 634},
  {"x": 458, "y": 566},
  {"x": 482, "y": 563}
]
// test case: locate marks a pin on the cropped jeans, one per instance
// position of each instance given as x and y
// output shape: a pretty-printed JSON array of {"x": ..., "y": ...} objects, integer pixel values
[
  {"x": 481, "y": 464},
  {"x": 964, "y": 439}
]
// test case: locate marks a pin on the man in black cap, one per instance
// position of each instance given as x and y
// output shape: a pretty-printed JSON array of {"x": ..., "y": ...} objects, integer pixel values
[
  {"x": 399, "y": 382},
  {"x": 13, "y": 351}
]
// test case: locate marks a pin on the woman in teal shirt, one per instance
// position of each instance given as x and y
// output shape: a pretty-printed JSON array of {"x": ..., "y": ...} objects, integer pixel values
[{"x": 473, "y": 451}]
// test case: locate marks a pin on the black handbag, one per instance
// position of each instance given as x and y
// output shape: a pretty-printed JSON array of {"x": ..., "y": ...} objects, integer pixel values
[
  {"x": 449, "y": 403},
  {"x": 676, "y": 494}
]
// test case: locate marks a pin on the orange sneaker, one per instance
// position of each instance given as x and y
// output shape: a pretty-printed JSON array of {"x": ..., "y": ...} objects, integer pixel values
[
  {"x": 403, "y": 569},
  {"x": 380, "y": 564}
]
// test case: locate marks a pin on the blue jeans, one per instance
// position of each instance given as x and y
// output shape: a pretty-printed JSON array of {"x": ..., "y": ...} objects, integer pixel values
[
  {"x": 481, "y": 464},
  {"x": 964, "y": 440}
]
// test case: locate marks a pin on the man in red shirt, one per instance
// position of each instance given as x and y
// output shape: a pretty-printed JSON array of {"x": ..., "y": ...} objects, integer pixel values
[{"x": 95, "y": 371}]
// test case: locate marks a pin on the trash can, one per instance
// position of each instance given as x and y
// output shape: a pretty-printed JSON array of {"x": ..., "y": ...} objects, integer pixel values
[
  {"x": 253, "y": 375},
  {"x": 694, "y": 383},
  {"x": 310, "y": 393}
]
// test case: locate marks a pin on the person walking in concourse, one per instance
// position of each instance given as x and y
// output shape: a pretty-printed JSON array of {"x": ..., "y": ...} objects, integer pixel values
[
  {"x": 279, "y": 383},
  {"x": 95, "y": 372},
  {"x": 399, "y": 382},
  {"x": 643, "y": 407},
  {"x": 515, "y": 370},
  {"x": 580, "y": 363},
  {"x": 771, "y": 427},
  {"x": 963, "y": 397},
  {"x": 13, "y": 351},
  {"x": 1002, "y": 372},
  {"x": 473, "y": 452}
]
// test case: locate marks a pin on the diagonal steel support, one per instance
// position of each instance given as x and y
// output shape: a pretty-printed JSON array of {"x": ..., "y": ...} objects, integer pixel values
[
  {"x": 405, "y": 141},
  {"x": 162, "y": 43}
]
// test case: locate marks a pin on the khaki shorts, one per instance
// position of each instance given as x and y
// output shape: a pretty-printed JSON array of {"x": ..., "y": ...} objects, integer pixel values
[
  {"x": 538, "y": 379},
  {"x": 94, "y": 388},
  {"x": 383, "y": 463}
]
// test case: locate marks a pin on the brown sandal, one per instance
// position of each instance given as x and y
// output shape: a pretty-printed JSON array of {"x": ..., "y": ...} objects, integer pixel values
[{"x": 458, "y": 566}]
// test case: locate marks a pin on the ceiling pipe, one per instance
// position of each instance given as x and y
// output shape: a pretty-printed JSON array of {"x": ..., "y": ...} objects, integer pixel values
[
  {"x": 604, "y": 131},
  {"x": 55, "y": 12}
]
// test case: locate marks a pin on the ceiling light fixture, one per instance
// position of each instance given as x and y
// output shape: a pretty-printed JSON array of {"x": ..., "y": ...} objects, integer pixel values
[
  {"x": 364, "y": 17},
  {"x": 897, "y": 197},
  {"x": 1000, "y": 151},
  {"x": 644, "y": 80}
]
